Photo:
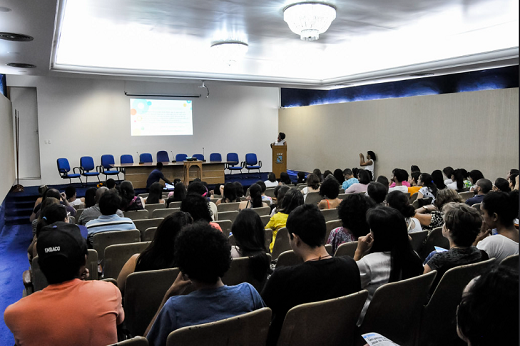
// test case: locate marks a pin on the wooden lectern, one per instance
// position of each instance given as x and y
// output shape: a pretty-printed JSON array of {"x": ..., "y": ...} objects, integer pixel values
[
  {"x": 192, "y": 170},
  {"x": 279, "y": 159}
]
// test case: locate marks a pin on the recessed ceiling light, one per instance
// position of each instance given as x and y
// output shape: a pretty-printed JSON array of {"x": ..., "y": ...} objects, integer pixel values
[
  {"x": 5, "y": 9},
  {"x": 21, "y": 65},
  {"x": 9, "y": 36}
]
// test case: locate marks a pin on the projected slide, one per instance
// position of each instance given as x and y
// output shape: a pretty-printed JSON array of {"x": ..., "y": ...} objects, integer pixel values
[{"x": 161, "y": 117}]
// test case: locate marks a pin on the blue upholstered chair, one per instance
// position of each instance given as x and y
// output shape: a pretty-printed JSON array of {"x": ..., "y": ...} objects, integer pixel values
[
  {"x": 87, "y": 168},
  {"x": 107, "y": 164},
  {"x": 215, "y": 157},
  {"x": 162, "y": 156},
  {"x": 180, "y": 157},
  {"x": 252, "y": 162},
  {"x": 232, "y": 165},
  {"x": 145, "y": 158},
  {"x": 199, "y": 157},
  {"x": 64, "y": 169},
  {"x": 126, "y": 159}
]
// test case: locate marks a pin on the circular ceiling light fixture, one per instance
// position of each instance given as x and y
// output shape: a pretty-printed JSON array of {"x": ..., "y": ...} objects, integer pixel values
[
  {"x": 9, "y": 36},
  {"x": 21, "y": 65},
  {"x": 230, "y": 51},
  {"x": 309, "y": 19}
]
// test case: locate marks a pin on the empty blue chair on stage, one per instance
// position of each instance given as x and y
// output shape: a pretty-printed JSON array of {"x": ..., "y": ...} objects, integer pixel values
[
  {"x": 180, "y": 157},
  {"x": 145, "y": 158},
  {"x": 232, "y": 159},
  {"x": 86, "y": 164},
  {"x": 215, "y": 157},
  {"x": 199, "y": 157},
  {"x": 252, "y": 162},
  {"x": 127, "y": 159},
  {"x": 64, "y": 169},
  {"x": 162, "y": 156},
  {"x": 107, "y": 164}
]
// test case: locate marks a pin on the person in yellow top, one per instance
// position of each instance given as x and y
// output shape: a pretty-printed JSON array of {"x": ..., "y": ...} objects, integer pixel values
[
  {"x": 414, "y": 187},
  {"x": 292, "y": 199}
]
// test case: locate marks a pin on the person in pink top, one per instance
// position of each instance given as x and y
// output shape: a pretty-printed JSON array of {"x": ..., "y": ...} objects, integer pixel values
[{"x": 364, "y": 179}]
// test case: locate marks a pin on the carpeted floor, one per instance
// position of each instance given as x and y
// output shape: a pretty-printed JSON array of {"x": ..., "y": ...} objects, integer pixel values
[{"x": 14, "y": 241}]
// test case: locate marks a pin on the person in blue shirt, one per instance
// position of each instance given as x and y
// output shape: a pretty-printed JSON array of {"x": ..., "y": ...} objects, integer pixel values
[
  {"x": 482, "y": 187},
  {"x": 349, "y": 179},
  {"x": 156, "y": 175},
  {"x": 203, "y": 255}
]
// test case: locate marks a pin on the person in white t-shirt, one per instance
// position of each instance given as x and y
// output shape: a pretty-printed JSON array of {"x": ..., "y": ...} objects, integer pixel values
[
  {"x": 499, "y": 209},
  {"x": 398, "y": 176},
  {"x": 280, "y": 140},
  {"x": 70, "y": 193},
  {"x": 369, "y": 164},
  {"x": 271, "y": 180}
]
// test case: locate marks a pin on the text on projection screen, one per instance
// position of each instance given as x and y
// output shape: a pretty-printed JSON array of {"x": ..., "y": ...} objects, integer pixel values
[{"x": 150, "y": 117}]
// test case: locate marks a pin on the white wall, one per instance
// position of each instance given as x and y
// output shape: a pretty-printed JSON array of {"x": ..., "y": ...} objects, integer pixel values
[
  {"x": 7, "y": 174},
  {"x": 91, "y": 117},
  {"x": 471, "y": 130}
]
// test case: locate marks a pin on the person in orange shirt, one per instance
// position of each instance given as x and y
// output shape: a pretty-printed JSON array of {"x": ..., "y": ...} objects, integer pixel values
[
  {"x": 69, "y": 311},
  {"x": 414, "y": 177}
]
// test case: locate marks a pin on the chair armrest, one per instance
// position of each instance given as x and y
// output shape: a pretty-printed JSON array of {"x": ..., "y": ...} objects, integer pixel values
[
  {"x": 243, "y": 164},
  {"x": 260, "y": 162},
  {"x": 99, "y": 169},
  {"x": 78, "y": 168}
]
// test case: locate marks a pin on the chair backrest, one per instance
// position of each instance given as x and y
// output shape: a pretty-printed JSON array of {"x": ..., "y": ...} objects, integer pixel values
[
  {"x": 215, "y": 157},
  {"x": 330, "y": 214},
  {"x": 63, "y": 165},
  {"x": 418, "y": 239},
  {"x": 228, "y": 206},
  {"x": 40, "y": 282},
  {"x": 251, "y": 159},
  {"x": 101, "y": 240},
  {"x": 152, "y": 206},
  {"x": 313, "y": 198},
  {"x": 241, "y": 271},
  {"x": 135, "y": 341},
  {"x": 435, "y": 238},
  {"x": 176, "y": 204},
  {"x": 145, "y": 158},
  {"x": 78, "y": 214},
  {"x": 232, "y": 158},
  {"x": 268, "y": 236},
  {"x": 330, "y": 225},
  {"x": 346, "y": 249},
  {"x": 442, "y": 307},
  {"x": 162, "y": 156},
  {"x": 227, "y": 215},
  {"x": 142, "y": 299},
  {"x": 225, "y": 225},
  {"x": 477, "y": 206},
  {"x": 342, "y": 196},
  {"x": 265, "y": 219},
  {"x": 270, "y": 192},
  {"x": 149, "y": 234},
  {"x": 87, "y": 163},
  {"x": 288, "y": 258},
  {"x": 199, "y": 157},
  {"x": 137, "y": 214},
  {"x": 395, "y": 308},
  {"x": 126, "y": 159},
  {"x": 262, "y": 210},
  {"x": 163, "y": 212},
  {"x": 143, "y": 224},
  {"x": 107, "y": 161},
  {"x": 248, "y": 329},
  {"x": 466, "y": 195},
  {"x": 308, "y": 324},
  {"x": 510, "y": 261},
  {"x": 180, "y": 157},
  {"x": 281, "y": 242},
  {"x": 117, "y": 255}
]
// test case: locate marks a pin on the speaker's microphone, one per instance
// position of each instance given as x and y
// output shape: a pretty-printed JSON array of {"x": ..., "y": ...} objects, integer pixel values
[
  {"x": 139, "y": 156},
  {"x": 173, "y": 157}
]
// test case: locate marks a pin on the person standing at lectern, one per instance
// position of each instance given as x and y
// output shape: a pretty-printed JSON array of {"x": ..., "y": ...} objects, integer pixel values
[{"x": 280, "y": 140}]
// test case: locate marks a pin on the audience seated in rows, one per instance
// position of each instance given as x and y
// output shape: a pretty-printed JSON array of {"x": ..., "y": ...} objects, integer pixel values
[
  {"x": 155, "y": 195},
  {"x": 329, "y": 191},
  {"x": 292, "y": 199},
  {"x": 271, "y": 180},
  {"x": 94, "y": 212},
  {"x": 362, "y": 185},
  {"x": 488, "y": 312},
  {"x": 129, "y": 201},
  {"x": 482, "y": 187},
  {"x": 383, "y": 180},
  {"x": 348, "y": 179},
  {"x": 109, "y": 203},
  {"x": 458, "y": 178},
  {"x": 159, "y": 254},
  {"x": 430, "y": 216},
  {"x": 228, "y": 193},
  {"x": 179, "y": 193},
  {"x": 56, "y": 194},
  {"x": 64, "y": 313},
  {"x": 377, "y": 192},
  {"x": 385, "y": 254},
  {"x": 401, "y": 202},
  {"x": 255, "y": 198},
  {"x": 199, "y": 209},
  {"x": 352, "y": 212},
  {"x": 279, "y": 192},
  {"x": 399, "y": 181},
  {"x": 70, "y": 195},
  {"x": 461, "y": 226},
  {"x": 199, "y": 188},
  {"x": 474, "y": 176},
  {"x": 320, "y": 277},
  {"x": 313, "y": 185},
  {"x": 203, "y": 256},
  {"x": 499, "y": 210}
]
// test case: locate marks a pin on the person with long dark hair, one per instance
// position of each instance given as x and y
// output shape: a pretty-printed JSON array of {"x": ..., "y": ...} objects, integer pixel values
[
  {"x": 155, "y": 195},
  {"x": 255, "y": 198},
  {"x": 159, "y": 254},
  {"x": 292, "y": 199},
  {"x": 457, "y": 177},
  {"x": 428, "y": 189},
  {"x": 474, "y": 176},
  {"x": 438, "y": 179},
  {"x": 401, "y": 202},
  {"x": 338, "y": 174},
  {"x": 90, "y": 197},
  {"x": 364, "y": 180},
  {"x": 248, "y": 231},
  {"x": 313, "y": 185},
  {"x": 179, "y": 193},
  {"x": 369, "y": 164},
  {"x": 501, "y": 184},
  {"x": 279, "y": 192},
  {"x": 129, "y": 201},
  {"x": 239, "y": 189},
  {"x": 385, "y": 254},
  {"x": 229, "y": 194},
  {"x": 448, "y": 172}
]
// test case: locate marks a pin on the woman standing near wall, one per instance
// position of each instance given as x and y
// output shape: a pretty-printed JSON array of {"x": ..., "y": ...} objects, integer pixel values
[{"x": 369, "y": 163}]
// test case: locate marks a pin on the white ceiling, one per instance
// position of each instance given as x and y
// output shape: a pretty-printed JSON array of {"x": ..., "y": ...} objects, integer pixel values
[{"x": 369, "y": 41}]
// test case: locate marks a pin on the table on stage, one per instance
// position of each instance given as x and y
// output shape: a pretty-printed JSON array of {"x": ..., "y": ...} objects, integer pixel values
[{"x": 212, "y": 172}]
